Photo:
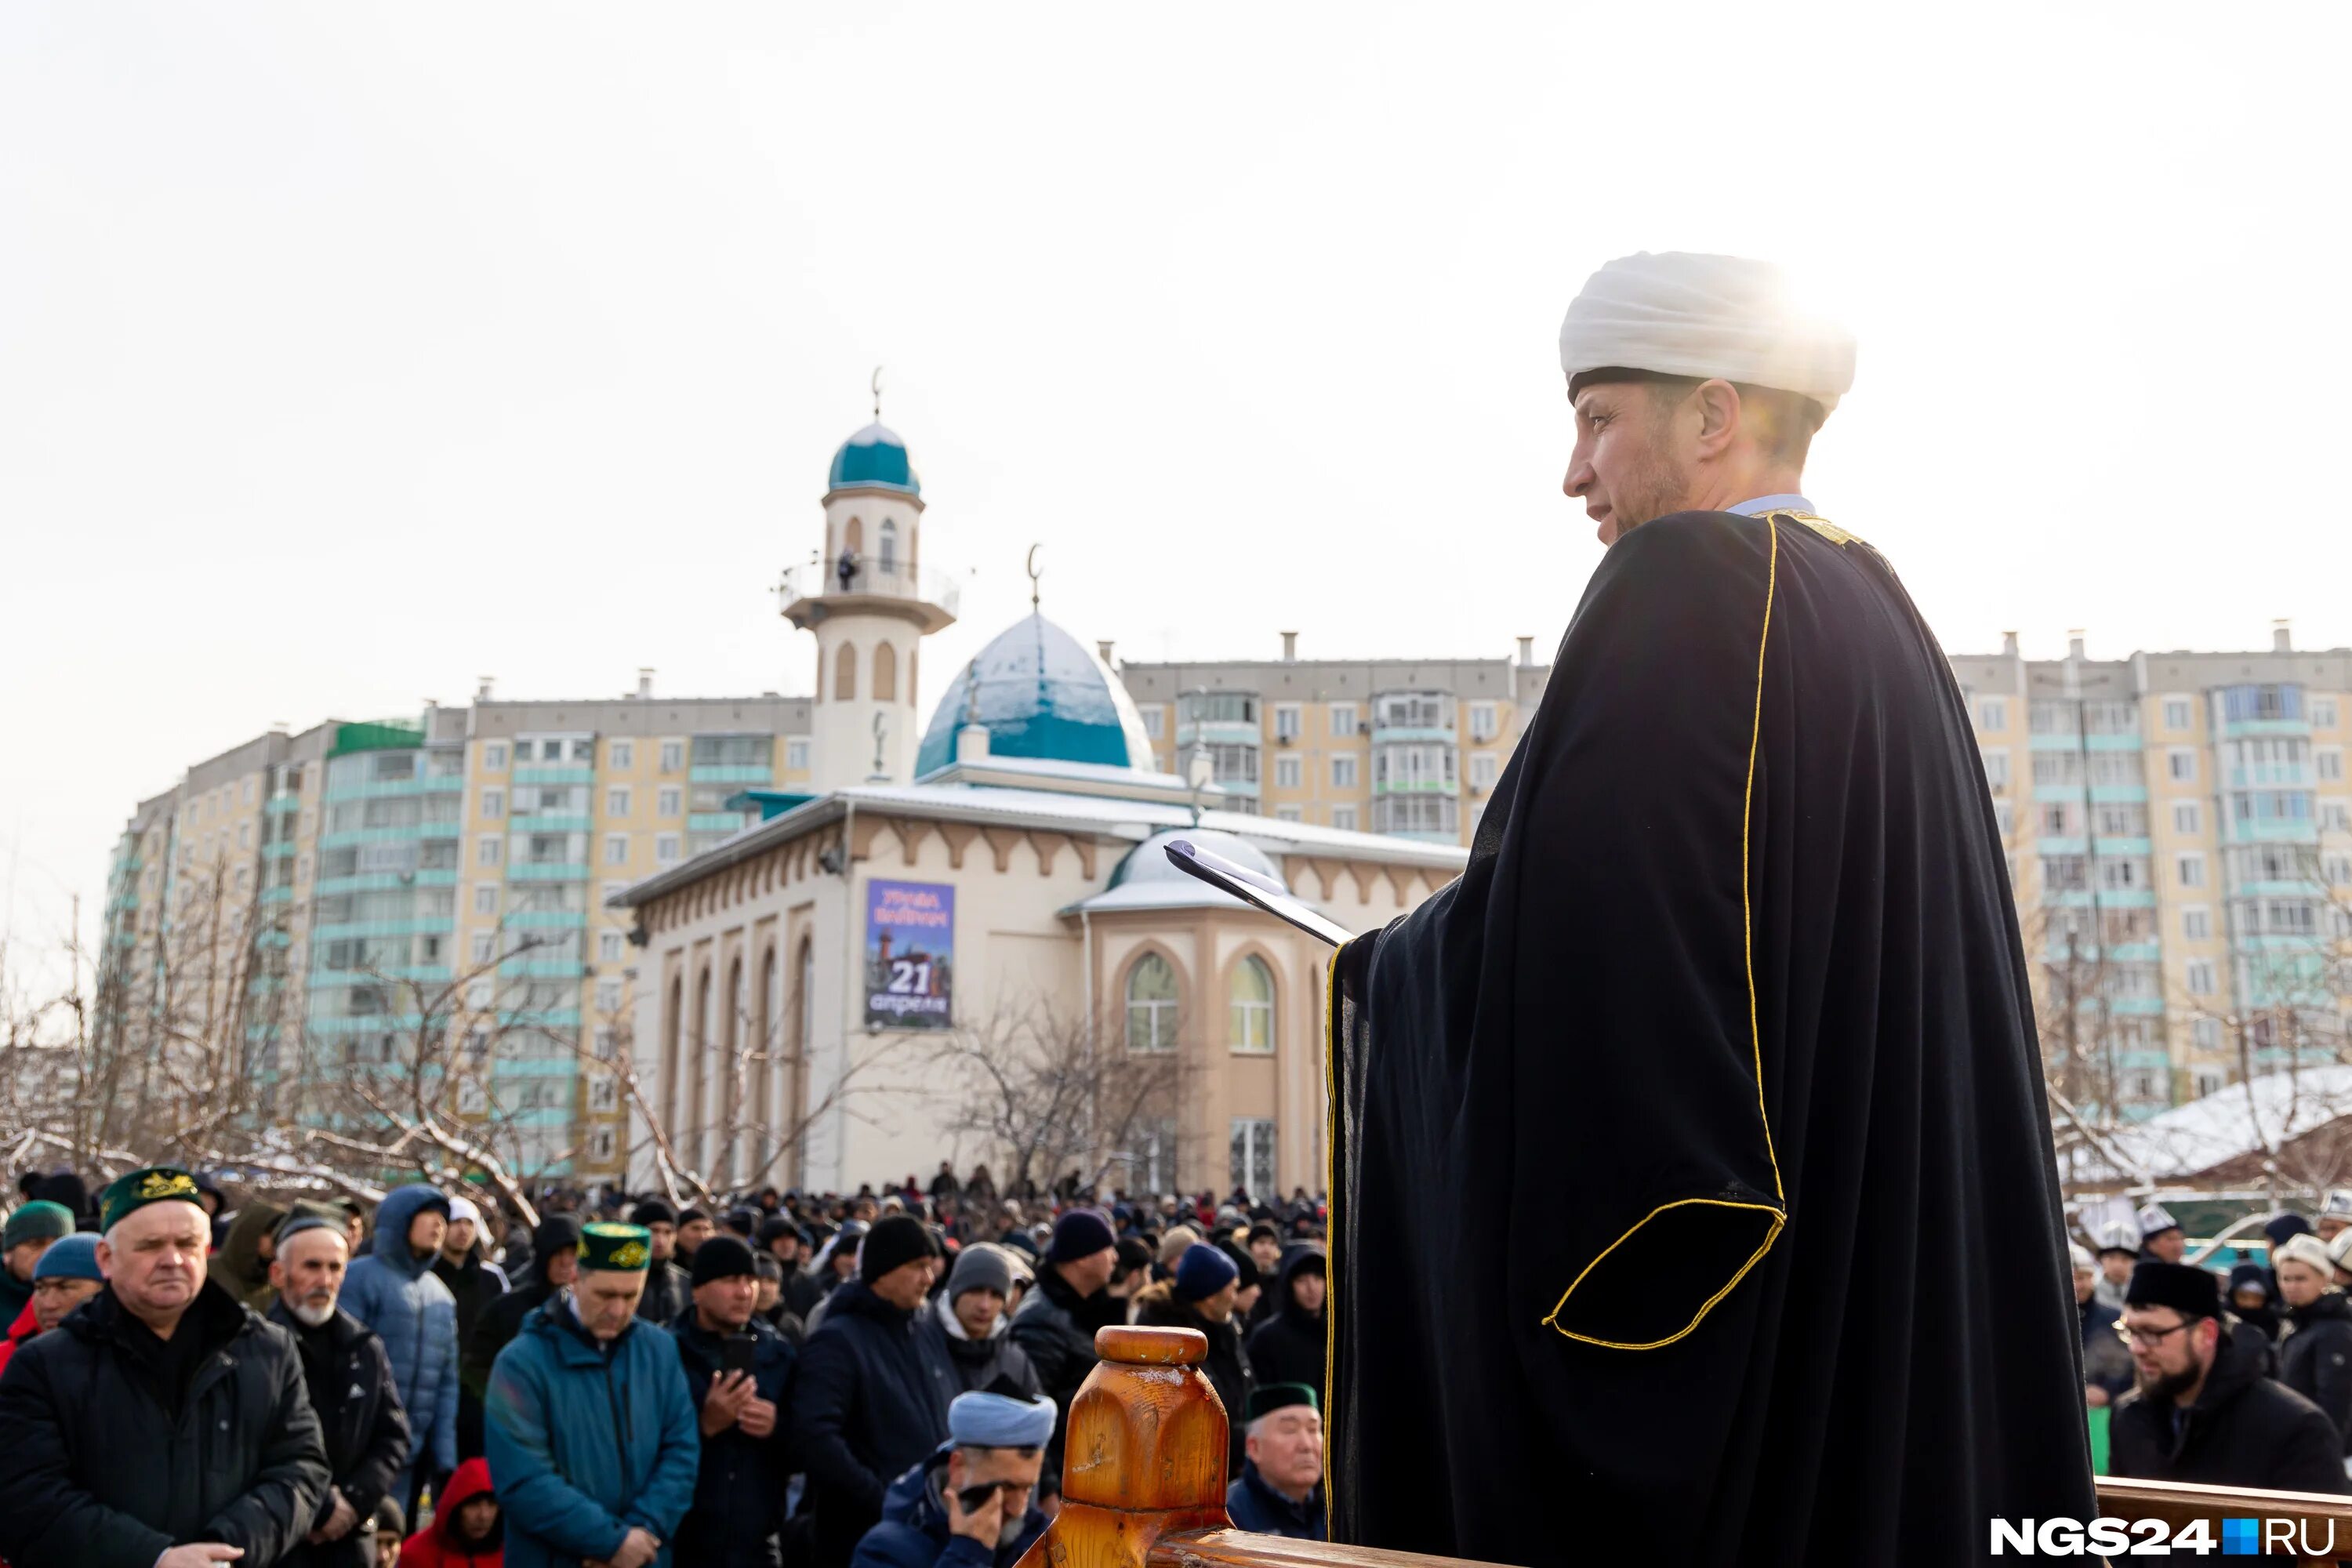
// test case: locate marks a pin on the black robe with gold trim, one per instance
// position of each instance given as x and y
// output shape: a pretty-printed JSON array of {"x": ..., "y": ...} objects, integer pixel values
[{"x": 1693, "y": 1192}]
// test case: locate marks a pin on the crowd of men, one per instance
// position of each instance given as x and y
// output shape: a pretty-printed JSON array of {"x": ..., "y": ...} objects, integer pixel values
[
  {"x": 196, "y": 1375},
  {"x": 2237, "y": 1380}
]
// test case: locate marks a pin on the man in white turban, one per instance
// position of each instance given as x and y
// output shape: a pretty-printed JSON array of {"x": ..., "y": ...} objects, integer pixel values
[{"x": 1727, "y": 1021}]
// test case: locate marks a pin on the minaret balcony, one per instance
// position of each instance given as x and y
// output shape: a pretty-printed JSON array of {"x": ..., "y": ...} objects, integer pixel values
[{"x": 856, "y": 586}]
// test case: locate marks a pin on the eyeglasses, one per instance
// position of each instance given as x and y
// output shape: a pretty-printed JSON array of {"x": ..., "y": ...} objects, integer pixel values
[{"x": 2149, "y": 1339}]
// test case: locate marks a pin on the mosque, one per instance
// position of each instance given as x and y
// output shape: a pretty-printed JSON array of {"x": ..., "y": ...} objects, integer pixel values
[{"x": 843, "y": 992}]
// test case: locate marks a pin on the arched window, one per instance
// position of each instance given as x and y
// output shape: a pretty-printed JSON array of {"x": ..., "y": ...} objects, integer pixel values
[
  {"x": 887, "y": 555},
  {"x": 673, "y": 1023},
  {"x": 731, "y": 1082},
  {"x": 844, "y": 673},
  {"x": 1151, "y": 1004},
  {"x": 886, "y": 672},
  {"x": 853, "y": 538},
  {"x": 1252, "y": 1004},
  {"x": 689, "y": 1122},
  {"x": 820, "y": 675}
]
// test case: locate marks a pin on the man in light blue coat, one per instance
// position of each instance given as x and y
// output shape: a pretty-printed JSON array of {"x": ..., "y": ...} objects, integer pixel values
[
  {"x": 591, "y": 1435},
  {"x": 393, "y": 1291}
]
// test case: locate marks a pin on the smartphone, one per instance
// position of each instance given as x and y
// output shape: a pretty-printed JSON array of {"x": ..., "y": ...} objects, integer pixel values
[{"x": 736, "y": 1353}]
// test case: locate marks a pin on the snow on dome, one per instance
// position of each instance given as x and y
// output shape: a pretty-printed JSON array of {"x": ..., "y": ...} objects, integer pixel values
[
  {"x": 1042, "y": 694},
  {"x": 874, "y": 458},
  {"x": 1148, "y": 862}
]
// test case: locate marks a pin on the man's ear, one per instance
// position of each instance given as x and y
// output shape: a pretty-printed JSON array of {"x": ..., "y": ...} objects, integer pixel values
[{"x": 1719, "y": 417}]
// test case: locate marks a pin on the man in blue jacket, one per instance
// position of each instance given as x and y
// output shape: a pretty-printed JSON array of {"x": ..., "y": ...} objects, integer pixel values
[
  {"x": 393, "y": 1291},
  {"x": 1280, "y": 1488},
  {"x": 973, "y": 1503},
  {"x": 588, "y": 1427}
]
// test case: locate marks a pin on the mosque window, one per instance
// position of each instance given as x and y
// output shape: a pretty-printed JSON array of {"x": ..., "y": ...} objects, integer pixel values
[
  {"x": 1251, "y": 1003},
  {"x": 886, "y": 661},
  {"x": 1151, "y": 1004},
  {"x": 844, "y": 673},
  {"x": 886, "y": 548}
]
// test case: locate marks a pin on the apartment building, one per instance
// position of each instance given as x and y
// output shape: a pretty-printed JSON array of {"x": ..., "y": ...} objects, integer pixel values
[
  {"x": 1406, "y": 747},
  {"x": 2180, "y": 831},
  {"x": 314, "y": 890}
]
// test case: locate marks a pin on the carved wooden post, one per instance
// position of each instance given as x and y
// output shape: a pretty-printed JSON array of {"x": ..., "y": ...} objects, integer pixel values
[{"x": 1146, "y": 1453}]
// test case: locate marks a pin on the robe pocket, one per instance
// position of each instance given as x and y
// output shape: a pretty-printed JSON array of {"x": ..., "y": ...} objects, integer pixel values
[{"x": 1658, "y": 1280}]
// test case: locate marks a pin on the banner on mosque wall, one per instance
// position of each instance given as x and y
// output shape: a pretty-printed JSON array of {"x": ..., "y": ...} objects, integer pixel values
[{"x": 909, "y": 955}]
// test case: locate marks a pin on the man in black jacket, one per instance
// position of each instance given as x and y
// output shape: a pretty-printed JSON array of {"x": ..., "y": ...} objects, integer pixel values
[
  {"x": 2203, "y": 1411},
  {"x": 965, "y": 1331},
  {"x": 161, "y": 1423},
  {"x": 866, "y": 1404},
  {"x": 476, "y": 1283},
  {"x": 788, "y": 1245},
  {"x": 738, "y": 1493},
  {"x": 351, "y": 1386},
  {"x": 1287, "y": 1346},
  {"x": 1056, "y": 1324},
  {"x": 555, "y": 1264},
  {"x": 667, "y": 1290},
  {"x": 1201, "y": 1298}
]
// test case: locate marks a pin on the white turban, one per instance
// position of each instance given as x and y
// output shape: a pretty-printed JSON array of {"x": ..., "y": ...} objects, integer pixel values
[{"x": 1679, "y": 314}]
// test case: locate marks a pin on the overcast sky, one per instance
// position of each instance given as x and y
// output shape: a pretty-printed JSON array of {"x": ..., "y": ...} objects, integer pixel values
[{"x": 347, "y": 354}]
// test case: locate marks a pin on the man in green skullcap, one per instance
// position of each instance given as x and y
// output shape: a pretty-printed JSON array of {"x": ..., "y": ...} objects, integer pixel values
[
  {"x": 1280, "y": 1488},
  {"x": 589, "y": 1428},
  {"x": 163, "y": 1425}
]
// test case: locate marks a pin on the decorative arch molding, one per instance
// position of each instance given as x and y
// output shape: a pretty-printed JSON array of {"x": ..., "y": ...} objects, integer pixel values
[{"x": 1276, "y": 973}]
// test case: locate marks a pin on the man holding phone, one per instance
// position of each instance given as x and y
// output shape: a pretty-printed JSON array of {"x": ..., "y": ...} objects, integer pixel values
[
  {"x": 972, "y": 1504},
  {"x": 736, "y": 1366}
]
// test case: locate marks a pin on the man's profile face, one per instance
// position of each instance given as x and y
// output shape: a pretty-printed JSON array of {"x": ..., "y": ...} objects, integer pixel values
[
  {"x": 2329, "y": 1225},
  {"x": 1287, "y": 1449},
  {"x": 58, "y": 1296},
  {"x": 728, "y": 1303},
  {"x": 154, "y": 1258},
  {"x": 1089, "y": 1274},
  {"x": 665, "y": 1236},
  {"x": 1626, "y": 468},
  {"x": 25, "y": 1254},
  {"x": 904, "y": 1286},
  {"x": 1219, "y": 1306},
  {"x": 2168, "y": 1352},
  {"x": 608, "y": 1300},
  {"x": 425, "y": 1232}
]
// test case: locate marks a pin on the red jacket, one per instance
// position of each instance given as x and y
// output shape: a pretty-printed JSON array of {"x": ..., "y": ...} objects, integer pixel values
[
  {"x": 23, "y": 1329},
  {"x": 437, "y": 1545}
]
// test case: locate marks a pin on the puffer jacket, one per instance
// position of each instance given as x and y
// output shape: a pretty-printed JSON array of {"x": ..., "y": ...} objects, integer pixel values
[
  {"x": 394, "y": 1292},
  {"x": 2315, "y": 1357},
  {"x": 587, "y": 1442},
  {"x": 100, "y": 1474},
  {"x": 914, "y": 1533}
]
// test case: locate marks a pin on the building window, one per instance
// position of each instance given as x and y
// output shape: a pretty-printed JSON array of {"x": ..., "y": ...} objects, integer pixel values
[
  {"x": 2191, "y": 870},
  {"x": 1287, "y": 771},
  {"x": 621, "y": 753},
  {"x": 1154, "y": 719},
  {"x": 494, "y": 802},
  {"x": 608, "y": 946},
  {"x": 486, "y": 898},
  {"x": 1482, "y": 722},
  {"x": 608, "y": 997},
  {"x": 796, "y": 755},
  {"x": 1253, "y": 1155},
  {"x": 673, "y": 755},
  {"x": 1252, "y": 1006},
  {"x": 606, "y": 1041},
  {"x": 2186, "y": 818},
  {"x": 1993, "y": 713},
  {"x": 1343, "y": 773},
  {"x": 494, "y": 756},
  {"x": 617, "y": 849},
  {"x": 1343, "y": 718},
  {"x": 1996, "y": 766},
  {"x": 616, "y": 802},
  {"x": 2181, "y": 763},
  {"x": 2197, "y": 923},
  {"x": 1287, "y": 814},
  {"x": 669, "y": 802},
  {"x": 2177, "y": 715},
  {"x": 599, "y": 1146},
  {"x": 2199, "y": 977},
  {"x": 1344, "y": 818},
  {"x": 1151, "y": 1004},
  {"x": 1482, "y": 770},
  {"x": 2322, "y": 712},
  {"x": 2207, "y": 1032},
  {"x": 665, "y": 850},
  {"x": 1285, "y": 722},
  {"x": 485, "y": 944},
  {"x": 486, "y": 851},
  {"x": 2328, "y": 764},
  {"x": 604, "y": 1092}
]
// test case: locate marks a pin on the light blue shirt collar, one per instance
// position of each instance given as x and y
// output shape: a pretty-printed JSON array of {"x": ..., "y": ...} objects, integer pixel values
[{"x": 1763, "y": 504}]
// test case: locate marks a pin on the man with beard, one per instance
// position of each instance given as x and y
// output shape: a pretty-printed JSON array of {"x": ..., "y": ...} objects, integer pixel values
[
  {"x": 1734, "y": 966},
  {"x": 2202, "y": 1410},
  {"x": 1056, "y": 1322},
  {"x": 350, "y": 1381},
  {"x": 973, "y": 1502},
  {"x": 161, "y": 1365}
]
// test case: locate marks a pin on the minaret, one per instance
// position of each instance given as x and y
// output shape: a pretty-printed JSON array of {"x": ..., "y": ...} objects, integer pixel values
[{"x": 870, "y": 601}]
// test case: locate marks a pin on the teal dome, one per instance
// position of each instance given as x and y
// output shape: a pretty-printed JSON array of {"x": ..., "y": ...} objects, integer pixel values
[
  {"x": 874, "y": 458},
  {"x": 1041, "y": 695}
]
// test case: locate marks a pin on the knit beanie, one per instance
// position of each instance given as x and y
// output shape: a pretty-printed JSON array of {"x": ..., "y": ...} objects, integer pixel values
[
  {"x": 1202, "y": 1272},
  {"x": 723, "y": 1256},
  {"x": 39, "y": 1220},
  {"x": 895, "y": 1241},
  {"x": 653, "y": 1211},
  {"x": 1080, "y": 1233},
  {"x": 980, "y": 1267}
]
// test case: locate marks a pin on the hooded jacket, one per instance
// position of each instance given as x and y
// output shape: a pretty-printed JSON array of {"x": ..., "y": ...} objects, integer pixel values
[
  {"x": 474, "y": 1284},
  {"x": 739, "y": 1490},
  {"x": 365, "y": 1431},
  {"x": 102, "y": 1474},
  {"x": 438, "y": 1545},
  {"x": 913, "y": 1532},
  {"x": 586, "y": 1441},
  {"x": 393, "y": 1291},
  {"x": 237, "y": 1267},
  {"x": 557, "y": 1235},
  {"x": 1228, "y": 1369},
  {"x": 2245, "y": 1430},
  {"x": 973, "y": 1364},
  {"x": 1288, "y": 1347},
  {"x": 2315, "y": 1357},
  {"x": 866, "y": 1404}
]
